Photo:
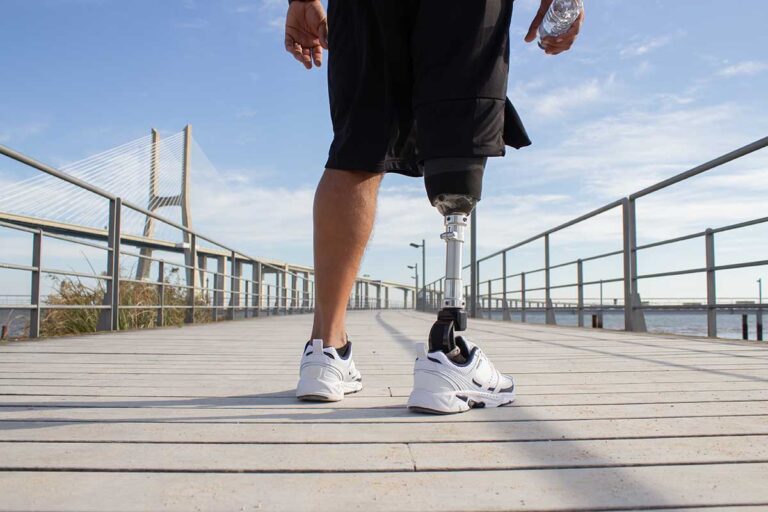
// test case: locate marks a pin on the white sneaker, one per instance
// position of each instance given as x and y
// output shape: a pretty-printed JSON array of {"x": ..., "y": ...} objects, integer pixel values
[
  {"x": 325, "y": 376},
  {"x": 441, "y": 386}
]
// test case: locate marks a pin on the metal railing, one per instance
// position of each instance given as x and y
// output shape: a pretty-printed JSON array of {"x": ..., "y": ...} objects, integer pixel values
[
  {"x": 494, "y": 293},
  {"x": 232, "y": 295}
]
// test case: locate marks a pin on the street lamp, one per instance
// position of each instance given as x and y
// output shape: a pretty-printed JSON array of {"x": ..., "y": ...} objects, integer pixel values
[
  {"x": 415, "y": 267},
  {"x": 423, "y": 246},
  {"x": 759, "y": 315}
]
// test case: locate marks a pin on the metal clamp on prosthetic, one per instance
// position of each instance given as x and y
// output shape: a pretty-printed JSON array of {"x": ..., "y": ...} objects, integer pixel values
[{"x": 454, "y": 186}]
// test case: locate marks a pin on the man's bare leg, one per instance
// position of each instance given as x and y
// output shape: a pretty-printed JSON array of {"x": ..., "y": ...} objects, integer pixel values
[{"x": 344, "y": 212}]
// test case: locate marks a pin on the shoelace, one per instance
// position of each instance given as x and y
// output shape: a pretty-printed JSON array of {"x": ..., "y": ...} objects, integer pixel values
[{"x": 494, "y": 371}]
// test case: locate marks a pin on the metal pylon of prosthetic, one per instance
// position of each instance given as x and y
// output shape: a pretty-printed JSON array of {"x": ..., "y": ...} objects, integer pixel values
[
  {"x": 157, "y": 201},
  {"x": 456, "y": 210}
]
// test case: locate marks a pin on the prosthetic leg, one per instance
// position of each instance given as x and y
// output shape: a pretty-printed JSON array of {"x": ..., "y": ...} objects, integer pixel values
[{"x": 454, "y": 186}]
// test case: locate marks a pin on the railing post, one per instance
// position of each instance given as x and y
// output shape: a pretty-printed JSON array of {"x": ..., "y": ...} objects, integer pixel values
[
  {"x": 549, "y": 314},
  {"x": 523, "y": 304},
  {"x": 580, "y": 292},
  {"x": 109, "y": 318},
  {"x": 504, "y": 305},
  {"x": 490, "y": 300},
  {"x": 709, "y": 243},
  {"x": 474, "y": 269},
  {"x": 246, "y": 297},
  {"x": 627, "y": 224},
  {"x": 257, "y": 274},
  {"x": 161, "y": 293},
  {"x": 234, "y": 285},
  {"x": 35, "y": 315},
  {"x": 191, "y": 273},
  {"x": 305, "y": 292},
  {"x": 312, "y": 295},
  {"x": 218, "y": 292}
]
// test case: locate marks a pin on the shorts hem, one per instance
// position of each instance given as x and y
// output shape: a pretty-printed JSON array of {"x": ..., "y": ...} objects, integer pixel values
[{"x": 391, "y": 165}]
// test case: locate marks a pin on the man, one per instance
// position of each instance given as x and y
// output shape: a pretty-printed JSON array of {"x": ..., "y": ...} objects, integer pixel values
[{"x": 416, "y": 87}]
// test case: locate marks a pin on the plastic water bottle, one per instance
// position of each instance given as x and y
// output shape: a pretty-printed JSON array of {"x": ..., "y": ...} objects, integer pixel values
[{"x": 559, "y": 18}]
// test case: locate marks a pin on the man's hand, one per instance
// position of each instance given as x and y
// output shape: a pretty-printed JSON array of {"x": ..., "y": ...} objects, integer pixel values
[
  {"x": 558, "y": 44},
  {"x": 306, "y": 32}
]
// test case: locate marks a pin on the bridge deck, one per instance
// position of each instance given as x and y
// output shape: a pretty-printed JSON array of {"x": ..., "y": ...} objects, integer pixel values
[{"x": 203, "y": 418}]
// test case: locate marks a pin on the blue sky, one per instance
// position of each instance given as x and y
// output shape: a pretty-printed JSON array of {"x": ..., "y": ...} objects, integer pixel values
[{"x": 650, "y": 89}]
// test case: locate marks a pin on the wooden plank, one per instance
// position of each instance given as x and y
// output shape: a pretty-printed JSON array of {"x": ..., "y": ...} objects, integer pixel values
[
  {"x": 244, "y": 395},
  {"x": 351, "y": 457},
  {"x": 588, "y": 453},
  {"x": 557, "y": 489},
  {"x": 370, "y": 409},
  {"x": 199, "y": 457},
  {"x": 411, "y": 432}
]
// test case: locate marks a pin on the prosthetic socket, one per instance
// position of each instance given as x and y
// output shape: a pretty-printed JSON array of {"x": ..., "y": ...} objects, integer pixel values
[{"x": 454, "y": 189}]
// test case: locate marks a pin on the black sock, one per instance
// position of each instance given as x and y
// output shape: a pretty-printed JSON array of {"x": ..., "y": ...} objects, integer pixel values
[{"x": 343, "y": 350}]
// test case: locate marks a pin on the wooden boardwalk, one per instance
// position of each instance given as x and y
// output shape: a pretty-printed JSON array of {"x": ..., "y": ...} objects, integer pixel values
[{"x": 203, "y": 418}]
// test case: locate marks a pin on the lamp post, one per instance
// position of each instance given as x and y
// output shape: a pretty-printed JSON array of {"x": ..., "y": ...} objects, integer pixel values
[
  {"x": 415, "y": 268},
  {"x": 760, "y": 309},
  {"x": 423, "y": 246}
]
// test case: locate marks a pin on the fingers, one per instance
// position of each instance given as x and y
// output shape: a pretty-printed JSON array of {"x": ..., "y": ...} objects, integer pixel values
[
  {"x": 323, "y": 33},
  {"x": 292, "y": 47},
  {"x": 306, "y": 56},
  {"x": 531, "y": 35},
  {"x": 563, "y": 42}
]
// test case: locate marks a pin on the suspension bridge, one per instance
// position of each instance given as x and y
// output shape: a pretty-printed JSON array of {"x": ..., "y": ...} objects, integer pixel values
[{"x": 169, "y": 407}]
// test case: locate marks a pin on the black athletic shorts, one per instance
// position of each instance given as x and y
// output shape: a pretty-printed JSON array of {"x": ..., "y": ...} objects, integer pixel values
[{"x": 411, "y": 80}]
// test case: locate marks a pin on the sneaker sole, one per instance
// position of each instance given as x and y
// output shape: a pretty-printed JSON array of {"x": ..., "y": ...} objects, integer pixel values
[
  {"x": 317, "y": 391},
  {"x": 453, "y": 402}
]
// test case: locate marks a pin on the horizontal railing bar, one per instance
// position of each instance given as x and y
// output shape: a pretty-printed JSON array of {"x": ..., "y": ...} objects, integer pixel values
[
  {"x": 716, "y": 162},
  {"x": 13, "y": 266},
  {"x": 15, "y": 155},
  {"x": 739, "y": 225},
  {"x": 10, "y": 225},
  {"x": 72, "y": 273},
  {"x": 732, "y": 266},
  {"x": 145, "y": 257},
  {"x": 600, "y": 256},
  {"x": 671, "y": 240},
  {"x": 562, "y": 226},
  {"x": 75, "y": 241},
  {"x": 75, "y": 306},
  {"x": 598, "y": 281},
  {"x": 19, "y": 157}
]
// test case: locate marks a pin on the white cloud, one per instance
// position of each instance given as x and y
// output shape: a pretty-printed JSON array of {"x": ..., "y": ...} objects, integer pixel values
[
  {"x": 544, "y": 101},
  {"x": 746, "y": 68},
  {"x": 639, "y": 48}
]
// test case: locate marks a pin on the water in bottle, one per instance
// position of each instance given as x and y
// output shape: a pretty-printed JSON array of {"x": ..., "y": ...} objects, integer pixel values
[{"x": 559, "y": 18}]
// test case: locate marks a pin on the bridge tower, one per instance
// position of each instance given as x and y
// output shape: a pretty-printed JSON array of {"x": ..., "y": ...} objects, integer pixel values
[{"x": 157, "y": 201}]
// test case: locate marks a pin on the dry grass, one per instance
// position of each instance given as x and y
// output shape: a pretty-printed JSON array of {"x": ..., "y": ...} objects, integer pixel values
[{"x": 72, "y": 292}]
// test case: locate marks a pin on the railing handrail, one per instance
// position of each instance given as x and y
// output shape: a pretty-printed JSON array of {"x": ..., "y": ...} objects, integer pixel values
[
  {"x": 629, "y": 275},
  {"x": 707, "y": 166}
]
